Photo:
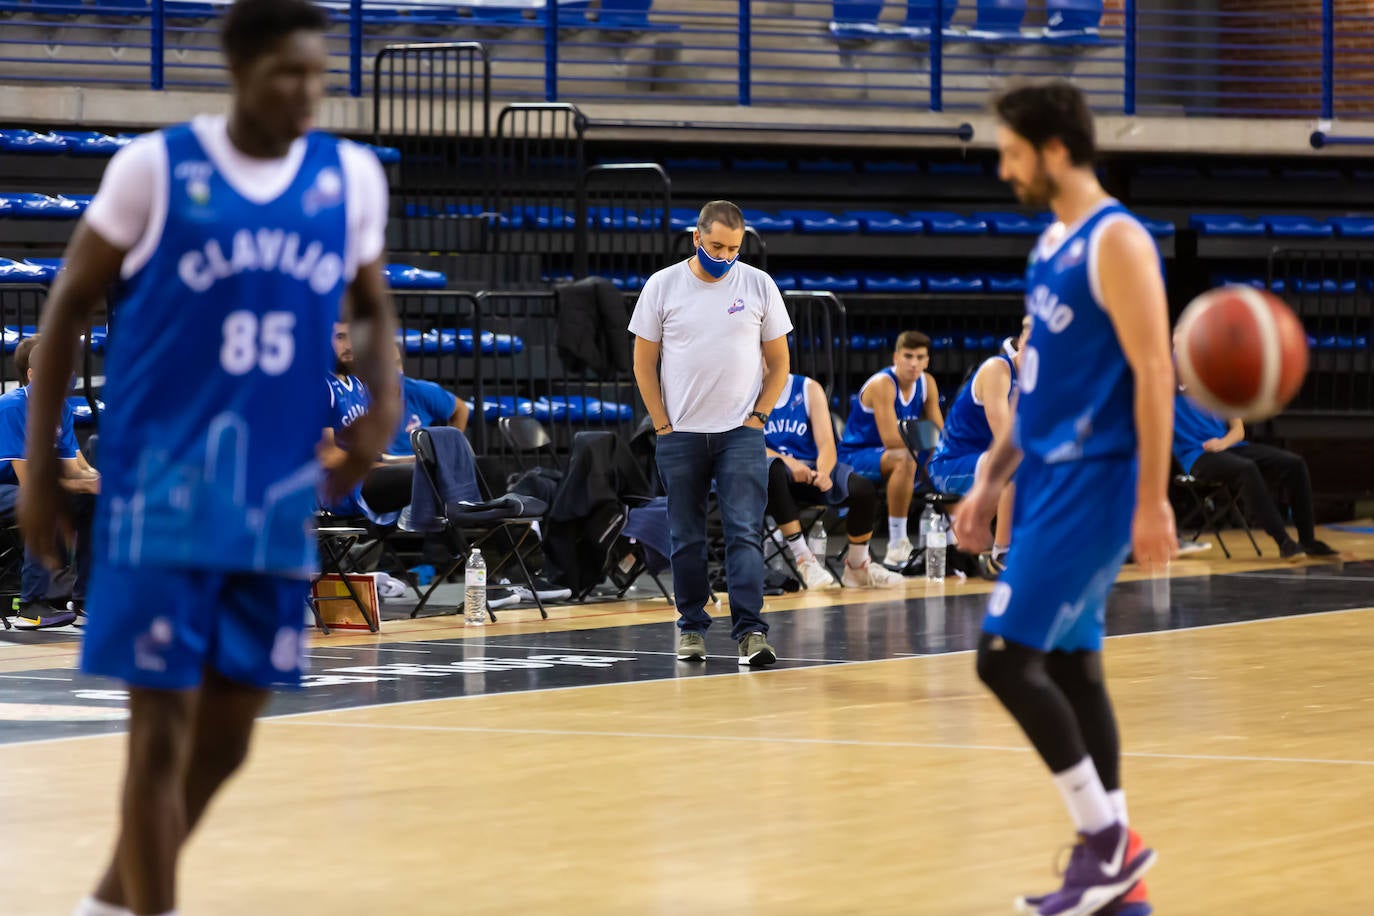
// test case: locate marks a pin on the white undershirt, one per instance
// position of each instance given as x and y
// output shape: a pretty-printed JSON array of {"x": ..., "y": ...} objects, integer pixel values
[{"x": 130, "y": 209}]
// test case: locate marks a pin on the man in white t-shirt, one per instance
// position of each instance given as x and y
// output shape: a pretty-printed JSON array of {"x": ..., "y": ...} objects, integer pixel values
[{"x": 720, "y": 329}]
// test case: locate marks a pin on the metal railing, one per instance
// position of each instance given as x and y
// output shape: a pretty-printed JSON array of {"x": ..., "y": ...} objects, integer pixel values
[{"x": 1158, "y": 57}]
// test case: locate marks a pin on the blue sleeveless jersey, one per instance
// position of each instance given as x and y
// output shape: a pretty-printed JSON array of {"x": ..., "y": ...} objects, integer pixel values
[
  {"x": 861, "y": 429},
  {"x": 349, "y": 399},
  {"x": 788, "y": 430},
  {"x": 1077, "y": 393},
  {"x": 216, "y": 350},
  {"x": 966, "y": 425}
]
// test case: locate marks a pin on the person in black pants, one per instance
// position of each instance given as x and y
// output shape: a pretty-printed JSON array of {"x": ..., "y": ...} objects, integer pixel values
[
  {"x": 802, "y": 469},
  {"x": 1210, "y": 448}
]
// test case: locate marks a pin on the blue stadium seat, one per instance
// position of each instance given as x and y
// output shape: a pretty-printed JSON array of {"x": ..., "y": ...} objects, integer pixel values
[
  {"x": 756, "y": 164},
  {"x": 386, "y": 155},
  {"x": 504, "y": 406},
  {"x": 543, "y": 216},
  {"x": 891, "y": 167},
  {"x": 81, "y": 410},
  {"x": 942, "y": 342},
  {"x": 692, "y": 164},
  {"x": 1004, "y": 283},
  {"x": 28, "y": 141},
  {"x": 402, "y": 277},
  {"x": 820, "y": 222},
  {"x": 1328, "y": 286},
  {"x": 883, "y": 222},
  {"x": 1015, "y": 223},
  {"x": 1353, "y": 227},
  {"x": 1159, "y": 228},
  {"x": 890, "y": 283},
  {"x": 1276, "y": 286},
  {"x": 1297, "y": 227},
  {"x": 99, "y": 334},
  {"x": 998, "y": 20},
  {"x": 824, "y": 282},
  {"x": 577, "y": 407},
  {"x": 766, "y": 222},
  {"x": 826, "y": 166},
  {"x": 18, "y": 272},
  {"x": 499, "y": 344},
  {"x": 939, "y": 222},
  {"x": 92, "y": 144},
  {"x": 956, "y": 168},
  {"x": 856, "y": 20},
  {"x": 629, "y": 282},
  {"x": 952, "y": 283},
  {"x": 919, "y": 13},
  {"x": 1073, "y": 20},
  {"x": 39, "y": 206},
  {"x": 785, "y": 282},
  {"x": 683, "y": 218},
  {"x": 1223, "y": 225},
  {"x": 50, "y": 266}
]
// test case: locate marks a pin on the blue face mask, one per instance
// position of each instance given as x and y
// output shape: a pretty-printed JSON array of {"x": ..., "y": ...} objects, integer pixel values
[{"x": 714, "y": 266}]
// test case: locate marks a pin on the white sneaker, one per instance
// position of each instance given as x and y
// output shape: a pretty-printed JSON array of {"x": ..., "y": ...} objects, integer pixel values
[
  {"x": 870, "y": 575},
  {"x": 815, "y": 575},
  {"x": 898, "y": 553}
]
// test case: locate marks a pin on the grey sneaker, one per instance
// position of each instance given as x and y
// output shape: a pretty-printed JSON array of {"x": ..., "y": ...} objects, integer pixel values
[
  {"x": 691, "y": 647},
  {"x": 755, "y": 651}
]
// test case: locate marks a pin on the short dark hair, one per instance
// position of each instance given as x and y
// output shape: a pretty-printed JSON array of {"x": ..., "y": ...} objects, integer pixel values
[
  {"x": 912, "y": 340},
  {"x": 720, "y": 211},
  {"x": 252, "y": 27},
  {"x": 1050, "y": 111},
  {"x": 22, "y": 355}
]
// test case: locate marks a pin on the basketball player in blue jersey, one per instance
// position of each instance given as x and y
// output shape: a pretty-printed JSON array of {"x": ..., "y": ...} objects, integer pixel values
[
  {"x": 235, "y": 239},
  {"x": 872, "y": 443},
  {"x": 802, "y": 468},
  {"x": 981, "y": 412},
  {"x": 1090, "y": 447}
]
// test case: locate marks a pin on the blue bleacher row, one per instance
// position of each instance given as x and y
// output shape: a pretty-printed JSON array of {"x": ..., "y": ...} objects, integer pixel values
[
  {"x": 631, "y": 15},
  {"x": 559, "y": 408},
  {"x": 102, "y": 146},
  {"x": 850, "y": 222},
  {"x": 1282, "y": 227},
  {"x": 45, "y": 270},
  {"x": 1068, "y": 21},
  {"x": 864, "y": 281}
]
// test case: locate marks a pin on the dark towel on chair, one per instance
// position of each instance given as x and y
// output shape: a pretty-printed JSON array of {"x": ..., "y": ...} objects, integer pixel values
[
  {"x": 648, "y": 524},
  {"x": 455, "y": 480}
]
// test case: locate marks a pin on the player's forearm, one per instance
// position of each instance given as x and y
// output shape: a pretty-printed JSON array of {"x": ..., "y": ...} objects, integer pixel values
[
  {"x": 890, "y": 434},
  {"x": 1001, "y": 462},
  {"x": 825, "y": 461},
  {"x": 1154, "y": 423},
  {"x": 63, "y": 319}
]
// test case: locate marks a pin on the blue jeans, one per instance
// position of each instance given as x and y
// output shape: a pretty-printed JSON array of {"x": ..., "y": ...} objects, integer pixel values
[
  {"x": 736, "y": 460},
  {"x": 35, "y": 578}
]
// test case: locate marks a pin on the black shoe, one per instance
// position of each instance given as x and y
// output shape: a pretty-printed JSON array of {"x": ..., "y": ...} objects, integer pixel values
[
  {"x": 1315, "y": 548},
  {"x": 990, "y": 567},
  {"x": 1291, "y": 550},
  {"x": 39, "y": 615}
]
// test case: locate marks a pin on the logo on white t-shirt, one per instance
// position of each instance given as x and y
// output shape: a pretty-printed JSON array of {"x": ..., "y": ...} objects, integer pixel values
[{"x": 736, "y": 307}]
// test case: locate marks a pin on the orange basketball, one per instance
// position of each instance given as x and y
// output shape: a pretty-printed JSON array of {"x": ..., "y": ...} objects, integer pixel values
[{"x": 1241, "y": 352}]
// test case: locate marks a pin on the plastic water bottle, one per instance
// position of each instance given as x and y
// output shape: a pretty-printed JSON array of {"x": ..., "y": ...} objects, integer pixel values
[
  {"x": 817, "y": 540},
  {"x": 475, "y": 597},
  {"x": 928, "y": 515},
  {"x": 936, "y": 542}
]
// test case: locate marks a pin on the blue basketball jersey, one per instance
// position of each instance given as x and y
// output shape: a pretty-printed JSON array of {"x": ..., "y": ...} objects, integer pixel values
[
  {"x": 348, "y": 400},
  {"x": 861, "y": 429},
  {"x": 966, "y": 425},
  {"x": 214, "y": 361},
  {"x": 788, "y": 430},
  {"x": 1077, "y": 393},
  {"x": 1194, "y": 425}
]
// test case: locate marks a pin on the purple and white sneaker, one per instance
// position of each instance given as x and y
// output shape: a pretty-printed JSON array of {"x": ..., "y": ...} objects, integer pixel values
[{"x": 1099, "y": 872}]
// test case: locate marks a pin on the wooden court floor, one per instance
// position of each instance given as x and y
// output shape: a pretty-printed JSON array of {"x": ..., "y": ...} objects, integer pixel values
[{"x": 894, "y": 785}]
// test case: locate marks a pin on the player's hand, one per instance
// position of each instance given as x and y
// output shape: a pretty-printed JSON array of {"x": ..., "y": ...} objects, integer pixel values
[
  {"x": 343, "y": 470},
  {"x": 800, "y": 472},
  {"x": 1154, "y": 540},
  {"x": 973, "y": 518},
  {"x": 43, "y": 512},
  {"x": 1214, "y": 445},
  {"x": 823, "y": 482}
]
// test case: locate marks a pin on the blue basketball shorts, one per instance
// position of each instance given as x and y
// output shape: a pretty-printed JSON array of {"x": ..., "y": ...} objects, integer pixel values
[
  {"x": 160, "y": 628},
  {"x": 868, "y": 461},
  {"x": 954, "y": 474},
  {"x": 1072, "y": 530}
]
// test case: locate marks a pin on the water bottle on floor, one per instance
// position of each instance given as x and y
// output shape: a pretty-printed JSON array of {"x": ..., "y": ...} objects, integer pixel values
[
  {"x": 927, "y": 519},
  {"x": 936, "y": 543},
  {"x": 475, "y": 597},
  {"x": 817, "y": 541}
]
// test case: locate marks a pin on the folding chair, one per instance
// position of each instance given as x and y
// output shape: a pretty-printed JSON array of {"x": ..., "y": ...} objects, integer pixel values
[
  {"x": 1211, "y": 503},
  {"x": 924, "y": 436},
  {"x": 335, "y": 543},
  {"x": 11, "y": 560},
  {"x": 526, "y": 436},
  {"x": 490, "y": 518}
]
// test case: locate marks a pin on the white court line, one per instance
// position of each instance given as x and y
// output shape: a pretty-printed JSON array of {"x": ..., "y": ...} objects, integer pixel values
[
  {"x": 603, "y": 651},
  {"x": 728, "y": 672},
  {"x": 1303, "y": 580},
  {"x": 34, "y": 677},
  {"x": 837, "y": 742},
  {"x": 337, "y": 658}
]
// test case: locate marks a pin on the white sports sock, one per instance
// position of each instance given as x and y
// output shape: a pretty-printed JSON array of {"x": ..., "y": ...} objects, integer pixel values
[
  {"x": 93, "y": 907},
  {"x": 896, "y": 528},
  {"x": 1118, "y": 799},
  {"x": 1085, "y": 797},
  {"x": 998, "y": 551},
  {"x": 801, "y": 551},
  {"x": 858, "y": 555}
]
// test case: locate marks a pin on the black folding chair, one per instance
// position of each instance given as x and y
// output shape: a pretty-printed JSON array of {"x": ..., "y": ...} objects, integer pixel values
[
  {"x": 528, "y": 438},
  {"x": 503, "y": 515},
  {"x": 1210, "y": 505},
  {"x": 336, "y": 541}
]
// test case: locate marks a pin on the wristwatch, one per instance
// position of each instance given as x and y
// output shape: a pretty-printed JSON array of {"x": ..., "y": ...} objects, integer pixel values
[{"x": 763, "y": 417}]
